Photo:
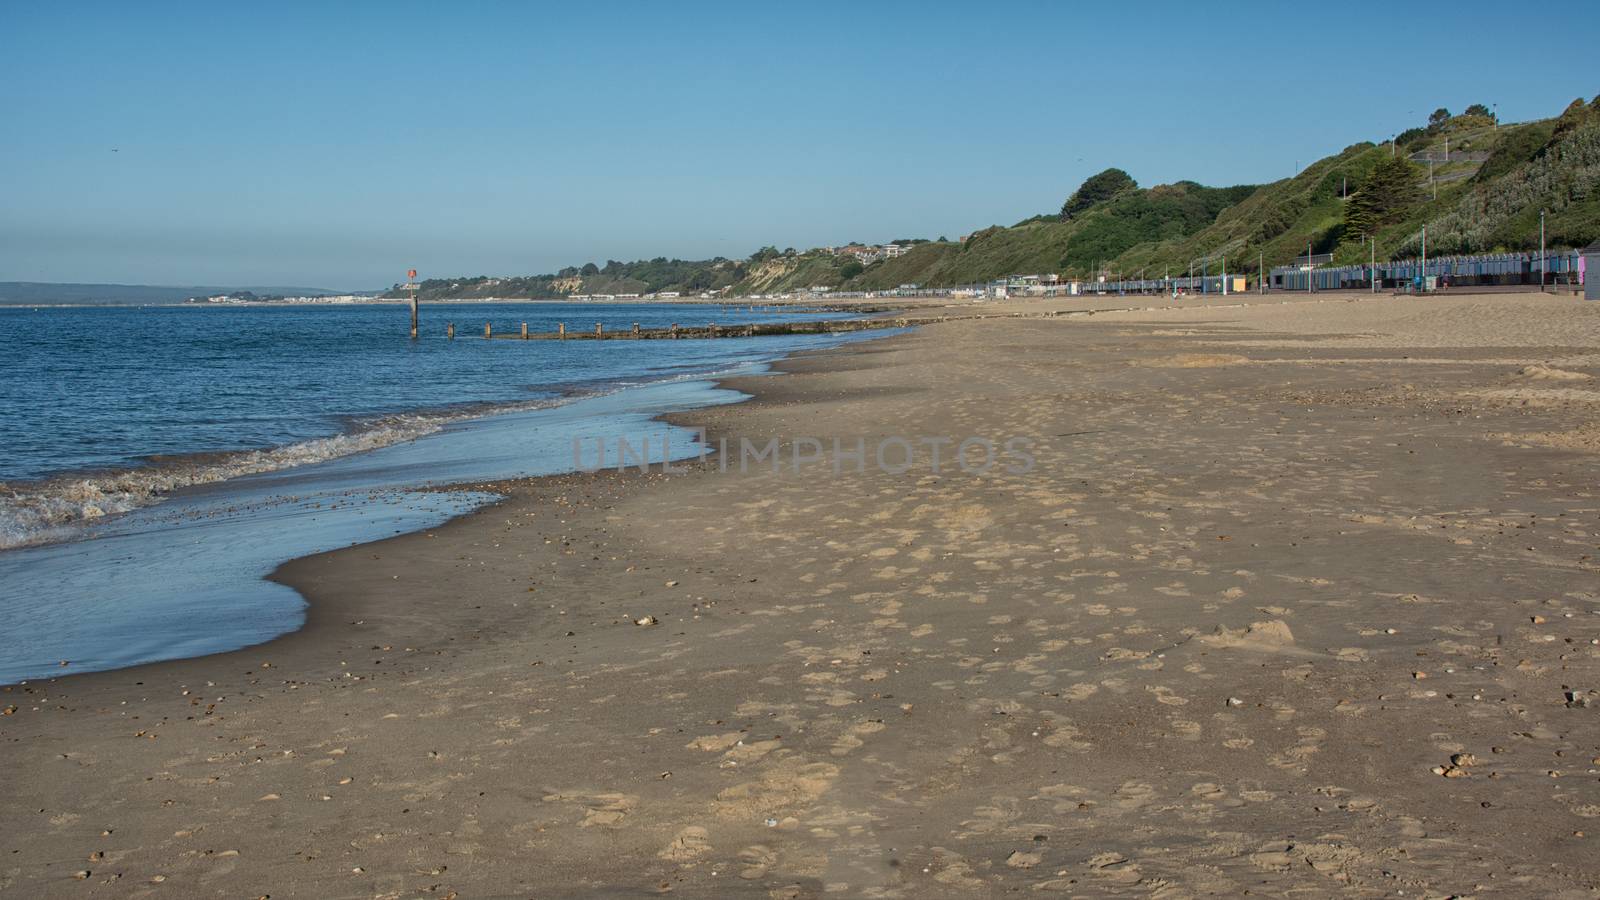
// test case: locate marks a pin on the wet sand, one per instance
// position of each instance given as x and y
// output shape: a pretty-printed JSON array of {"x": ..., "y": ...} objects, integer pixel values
[{"x": 1296, "y": 598}]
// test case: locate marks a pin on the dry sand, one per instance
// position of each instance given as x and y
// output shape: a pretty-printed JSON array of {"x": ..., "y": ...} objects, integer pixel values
[{"x": 1297, "y": 599}]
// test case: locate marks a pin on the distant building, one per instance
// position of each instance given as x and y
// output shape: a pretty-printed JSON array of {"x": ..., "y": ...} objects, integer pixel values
[
  {"x": 669, "y": 295},
  {"x": 894, "y": 251}
]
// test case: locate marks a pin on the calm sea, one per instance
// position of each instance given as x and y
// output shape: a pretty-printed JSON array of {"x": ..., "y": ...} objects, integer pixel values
[
  {"x": 106, "y": 409},
  {"x": 157, "y": 462}
]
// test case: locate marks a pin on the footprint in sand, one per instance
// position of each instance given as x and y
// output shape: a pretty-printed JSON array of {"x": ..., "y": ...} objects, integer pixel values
[
  {"x": 756, "y": 860},
  {"x": 714, "y": 742},
  {"x": 690, "y": 843},
  {"x": 789, "y": 783},
  {"x": 1134, "y": 794},
  {"x": 601, "y": 809},
  {"x": 852, "y": 739},
  {"x": 743, "y": 754},
  {"x": 1114, "y": 868}
]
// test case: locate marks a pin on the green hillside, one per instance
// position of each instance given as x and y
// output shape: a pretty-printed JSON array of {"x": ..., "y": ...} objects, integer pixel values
[
  {"x": 641, "y": 277},
  {"x": 1076, "y": 247},
  {"x": 1487, "y": 185},
  {"x": 1482, "y": 205}
]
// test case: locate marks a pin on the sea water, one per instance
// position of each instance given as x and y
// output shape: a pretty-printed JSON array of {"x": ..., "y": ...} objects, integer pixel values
[{"x": 159, "y": 462}]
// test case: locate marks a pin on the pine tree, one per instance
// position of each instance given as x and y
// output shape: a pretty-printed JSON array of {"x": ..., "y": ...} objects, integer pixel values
[{"x": 1389, "y": 191}]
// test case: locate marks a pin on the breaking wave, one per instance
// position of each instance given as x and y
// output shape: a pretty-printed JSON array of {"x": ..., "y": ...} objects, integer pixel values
[{"x": 59, "y": 508}]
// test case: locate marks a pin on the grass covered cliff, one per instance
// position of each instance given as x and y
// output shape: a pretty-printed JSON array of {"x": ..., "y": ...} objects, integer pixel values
[{"x": 1477, "y": 185}]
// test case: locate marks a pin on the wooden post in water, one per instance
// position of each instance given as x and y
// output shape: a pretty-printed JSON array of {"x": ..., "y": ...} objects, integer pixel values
[
  {"x": 636, "y": 329},
  {"x": 487, "y": 333},
  {"x": 450, "y": 331},
  {"x": 524, "y": 330},
  {"x": 716, "y": 330},
  {"x": 411, "y": 285},
  {"x": 599, "y": 330},
  {"x": 561, "y": 329},
  {"x": 674, "y": 330}
]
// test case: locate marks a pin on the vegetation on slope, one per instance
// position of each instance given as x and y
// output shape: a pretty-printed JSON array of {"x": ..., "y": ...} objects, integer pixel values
[
  {"x": 1097, "y": 189},
  {"x": 640, "y": 277},
  {"x": 1479, "y": 208},
  {"x": 1367, "y": 198},
  {"x": 1122, "y": 216},
  {"x": 1562, "y": 178}
]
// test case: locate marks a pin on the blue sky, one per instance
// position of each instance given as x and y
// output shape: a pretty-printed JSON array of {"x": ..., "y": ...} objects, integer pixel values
[{"x": 336, "y": 144}]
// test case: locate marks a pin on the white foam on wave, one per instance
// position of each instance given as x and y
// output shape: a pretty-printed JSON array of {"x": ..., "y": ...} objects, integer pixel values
[{"x": 59, "y": 508}]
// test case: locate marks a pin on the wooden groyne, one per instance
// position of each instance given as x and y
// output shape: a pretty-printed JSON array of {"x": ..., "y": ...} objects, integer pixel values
[
  {"x": 693, "y": 332},
  {"x": 845, "y": 326}
]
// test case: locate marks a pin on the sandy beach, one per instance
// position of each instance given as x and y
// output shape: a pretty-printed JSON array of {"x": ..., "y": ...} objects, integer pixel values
[{"x": 1298, "y": 595}]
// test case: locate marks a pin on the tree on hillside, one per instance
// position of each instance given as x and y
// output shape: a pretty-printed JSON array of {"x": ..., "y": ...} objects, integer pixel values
[
  {"x": 1097, "y": 189},
  {"x": 1478, "y": 109},
  {"x": 1389, "y": 191},
  {"x": 589, "y": 270},
  {"x": 851, "y": 269},
  {"x": 764, "y": 254},
  {"x": 1439, "y": 117}
]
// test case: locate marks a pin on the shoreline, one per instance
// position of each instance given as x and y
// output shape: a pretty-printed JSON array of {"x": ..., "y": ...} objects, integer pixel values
[
  {"x": 1016, "y": 308},
  {"x": 919, "y": 685},
  {"x": 56, "y": 498},
  {"x": 343, "y": 502},
  {"x": 328, "y": 605},
  {"x": 173, "y": 466}
]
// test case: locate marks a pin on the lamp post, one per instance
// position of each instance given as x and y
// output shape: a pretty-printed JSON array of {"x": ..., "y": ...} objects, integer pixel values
[{"x": 1542, "y": 258}]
